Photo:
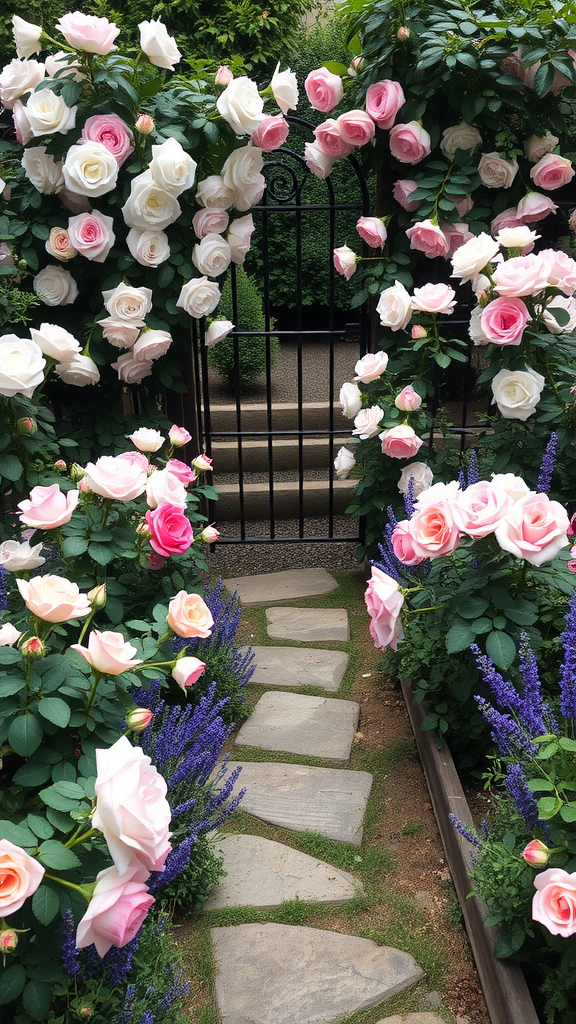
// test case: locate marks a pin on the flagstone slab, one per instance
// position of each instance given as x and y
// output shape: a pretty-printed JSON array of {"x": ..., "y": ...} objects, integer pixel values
[
  {"x": 331, "y": 801},
  {"x": 261, "y": 873},
  {"x": 289, "y": 974},
  {"x": 294, "y": 723},
  {"x": 308, "y": 624},
  {"x": 413, "y": 1018},
  {"x": 288, "y": 585},
  {"x": 304, "y": 666}
]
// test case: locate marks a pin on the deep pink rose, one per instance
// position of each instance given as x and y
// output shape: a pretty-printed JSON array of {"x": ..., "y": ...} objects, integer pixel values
[
  {"x": 170, "y": 530},
  {"x": 87, "y": 32},
  {"x": 112, "y": 132},
  {"x": 271, "y": 133},
  {"x": 323, "y": 89},
  {"x": 356, "y": 127},
  {"x": 383, "y": 101},
  {"x": 480, "y": 508},
  {"x": 185, "y": 474},
  {"x": 428, "y": 238},
  {"x": 330, "y": 140},
  {"x": 92, "y": 235},
  {"x": 434, "y": 531},
  {"x": 503, "y": 321},
  {"x": 533, "y": 207},
  {"x": 554, "y": 904},
  {"x": 373, "y": 231},
  {"x": 400, "y": 442},
  {"x": 534, "y": 529},
  {"x": 521, "y": 275},
  {"x": 403, "y": 545},
  {"x": 409, "y": 143},
  {"x": 551, "y": 172},
  {"x": 403, "y": 188},
  {"x": 384, "y": 602},
  {"x": 48, "y": 507},
  {"x": 117, "y": 909}
]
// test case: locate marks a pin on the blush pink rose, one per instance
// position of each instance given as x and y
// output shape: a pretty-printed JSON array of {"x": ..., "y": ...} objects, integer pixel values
[
  {"x": 371, "y": 366},
  {"x": 317, "y": 160},
  {"x": 345, "y": 260},
  {"x": 48, "y": 507},
  {"x": 384, "y": 603},
  {"x": 533, "y": 207},
  {"x": 402, "y": 191},
  {"x": 92, "y": 235},
  {"x": 507, "y": 219},
  {"x": 561, "y": 270},
  {"x": 356, "y": 127},
  {"x": 428, "y": 238},
  {"x": 116, "y": 478},
  {"x": 22, "y": 126},
  {"x": 383, "y": 101},
  {"x": 534, "y": 529},
  {"x": 409, "y": 143},
  {"x": 400, "y": 442},
  {"x": 480, "y": 508},
  {"x": 189, "y": 616},
  {"x": 323, "y": 89},
  {"x": 503, "y": 321},
  {"x": 112, "y": 132},
  {"x": 119, "y": 333},
  {"x": 209, "y": 221},
  {"x": 551, "y": 172},
  {"x": 179, "y": 436},
  {"x": 403, "y": 545},
  {"x": 20, "y": 876},
  {"x": 185, "y": 474},
  {"x": 117, "y": 909},
  {"x": 170, "y": 530},
  {"x": 130, "y": 369},
  {"x": 455, "y": 235},
  {"x": 462, "y": 203},
  {"x": 521, "y": 275},
  {"x": 187, "y": 671},
  {"x": 108, "y": 652},
  {"x": 53, "y": 598},
  {"x": 271, "y": 133},
  {"x": 434, "y": 531},
  {"x": 135, "y": 459},
  {"x": 372, "y": 230},
  {"x": 88, "y": 33},
  {"x": 408, "y": 400},
  {"x": 330, "y": 140},
  {"x": 434, "y": 298},
  {"x": 554, "y": 904}
]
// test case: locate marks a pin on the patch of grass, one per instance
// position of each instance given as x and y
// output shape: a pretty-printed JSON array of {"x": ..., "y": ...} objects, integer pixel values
[
  {"x": 280, "y": 757},
  {"x": 407, "y": 929},
  {"x": 368, "y": 862},
  {"x": 411, "y": 1001},
  {"x": 412, "y": 828},
  {"x": 294, "y": 912}
]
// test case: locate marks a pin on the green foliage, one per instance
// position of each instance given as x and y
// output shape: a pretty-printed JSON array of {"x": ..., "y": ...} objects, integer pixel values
[
  {"x": 192, "y": 886},
  {"x": 219, "y": 670},
  {"x": 244, "y": 309}
]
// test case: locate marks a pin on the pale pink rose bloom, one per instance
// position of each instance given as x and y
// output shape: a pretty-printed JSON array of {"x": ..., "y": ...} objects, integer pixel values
[
  {"x": 367, "y": 422},
  {"x": 22, "y": 126},
  {"x": 112, "y": 132},
  {"x": 503, "y": 320},
  {"x": 507, "y": 219},
  {"x": 271, "y": 133},
  {"x": 561, "y": 270},
  {"x": 55, "y": 342},
  {"x": 116, "y": 478},
  {"x": 534, "y": 529},
  {"x": 92, "y": 235},
  {"x": 202, "y": 463},
  {"x": 400, "y": 442},
  {"x": 223, "y": 76},
  {"x": 19, "y": 77},
  {"x": 521, "y": 275},
  {"x": 345, "y": 261},
  {"x": 88, "y": 33},
  {"x": 383, "y": 101},
  {"x": 551, "y": 172},
  {"x": 330, "y": 140},
  {"x": 384, "y": 603},
  {"x": 428, "y": 238},
  {"x": 80, "y": 371},
  {"x": 119, "y": 333},
  {"x": 135, "y": 459},
  {"x": 403, "y": 188},
  {"x": 130, "y": 369},
  {"x": 53, "y": 598},
  {"x": 371, "y": 366},
  {"x": 162, "y": 488},
  {"x": 480, "y": 508},
  {"x": 462, "y": 203},
  {"x": 62, "y": 61},
  {"x": 131, "y": 807},
  {"x": 108, "y": 653},
  {"x": 533, "y": 207},
  {"x": 178, "y": 436},
  {"x": 9, "y": 635},
  {"x": 117, "y": 909},
  {"x": 188, "y": 616},
  {"x": 151, "y": 345},
  {"x": 187, "y": 671},
  {"x": 185, "y": 474},
  {"x": 317, "y": 160},
  {"x": 560, "y": 302},
  {"x": 146, "y": 439},
  {"x": 210, "y": 220},
  {"x": 538, "y": 145},
  {"x": 48, "y": 507},
  {"x": 434, "y": 298},
  {"x": 495, "y": 172},
  {"x": 403, "y": 545},
  {"x": 409, "y": 143},
  {"x": 372, "y": 230},
  {"x": 408, "y": 400},
  {"x": 356, "y": 127},
  {"x": 456, "y": 235},
  {"x": 323, "y": 89},
  {"x": 213, "y": 193},
  {"x": 21, "y": 875},
  {"x": 434, "y": 532},
  {"x": 239, "y": 236},
  {"x": 554, "y": 904}
]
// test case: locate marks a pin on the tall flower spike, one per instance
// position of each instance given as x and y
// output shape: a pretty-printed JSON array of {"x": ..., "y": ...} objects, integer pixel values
[
  {"x": 522, "y": 796},
  {"x": 472, "y": 473},
  {"x": 547, "y": 464},
  {"x": 568, "y": 669}
]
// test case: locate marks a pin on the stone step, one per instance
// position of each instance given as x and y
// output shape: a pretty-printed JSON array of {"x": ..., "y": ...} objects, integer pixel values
[
  {"x": 308, "y": 624},
  {"x": 331, "y": 801},
  {"x": 293, "y": 723},
  {"x": 413, "y": 1018},
  {"x": 316, "y": 452},
  {"x": 316, "y": 495},
  {"x": 261, "y": 873},
  {"x": 292, "y": 666},
  {"x": 289, "y": 974},
  {"x": 288, "y": 585},
  {"x": 254, "y": 416}
]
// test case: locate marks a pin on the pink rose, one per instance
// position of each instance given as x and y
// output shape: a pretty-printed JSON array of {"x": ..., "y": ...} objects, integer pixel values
[
  {"x": 561, "y": 270},
  {"x": 88, "y": 33},
  {"x": 455, "y": 235},
  {"x": 131, "y": 808},
  {"x": 434, "y": 298},
  {"x": 144, "y": 124},
  {"x": 135, "y": 459},
  {"x": 383, "y": 101},
  {"x": 384, "y": 603},
  {"x": 116, "y": 478},
  {"x": 534, "y": 529},
  {"x": 170, "y": 530},
  {"x": 408, "y": 400},
  {"x": 400, "y": 442},
  {"x": 533, "y": 207},
  {"x": 536, "y": 854},
  {"x": 162, "y": 488},
  {"x": 538, "y": 145},
  {"x": 521, "y": 275},
  {"x": 403, "y": 545},
  {"x": 371, "y": 366},
  {"x": 551, "y": 172},
  {"x": 330, "y": 140},
  {"x": 112, "y": 132},
  {"x": 480, "y": 508},
  {"x": 345, "y": 261},
  {"x": 495, "y": 172},
  {"x": 323, "y": 89},
  {"x": 202, "y": 463},
  {"x": 507, "y": 219},
  {"x": 20, "y": 876},
  {"x": 403, "y": 188},
  {"x": 409, "y": 143},
  {"x": 92, "y": 235},
  {"x": 462, "y": 203},
  {"x": 372, "y": 230},
  {"x": 428, "y": 238},
  {"x": 108, "y": 653},
  {"x": 48, "y": 507},
  {"x": 117, "y": 909},
  {"x": 210, "y": 220},
  {"x": 189, "y": 615},
  {"x": 317, "y": 160},
  {"x": 187, "y": 671},
  {"x": 239, "y": 237},
  {"x": 271, "y": 133},
  {"x": 356, "y": 127},
  {"x": 179, "y": 436},
  {"x": 554, "y": 904},
  {"x": 119, "y": 333},
  {"x": 185, "y": 474},
  {"x": 22, "y": 127},
  {"x": 130, "y": 369},
  {"x": 434, "y": 531},
  {"x": 53, "y": 598},
  {"x": 503, "y": 321}
]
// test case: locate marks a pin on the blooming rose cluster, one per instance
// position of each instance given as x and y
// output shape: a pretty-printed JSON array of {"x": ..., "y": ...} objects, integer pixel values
[{"x": 125, "y": 328}]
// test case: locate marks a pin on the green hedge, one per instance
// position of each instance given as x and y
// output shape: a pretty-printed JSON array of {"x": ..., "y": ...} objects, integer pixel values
[{"x": 248, "y": 316}]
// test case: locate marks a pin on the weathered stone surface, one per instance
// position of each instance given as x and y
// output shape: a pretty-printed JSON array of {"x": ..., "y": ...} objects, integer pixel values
[
  {"x": 294, "y": 723},
  {"x": 261, "y": 873},
  {"x": 413, "y": 1018},
  {"x": 308, "y": 624},
  {"x": 293, "y": 666},
  {"x": 288, "y": 585},
  {"x": 285, "y": 974},
  {"x": 331, "y": 801}
]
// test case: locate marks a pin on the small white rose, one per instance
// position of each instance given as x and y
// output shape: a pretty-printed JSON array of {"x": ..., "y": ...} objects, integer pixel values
[
  {"x": 55, "y": 286},
  {"x": 517, "y": 392},
  {"x": 146, "y": 439},
  {"x": 239, "y": 236},
  {"x": 9, "y": 635},
  {"x": 172, "y": 168},
  {"x": 199, "y": 297},
  {"x": 21, "y": 366},
  {"x": 158, "y": 45},
  {"x": 163, "y": 488},
  {"x": 351, "y": 400},
  {"x": 213, "y": 194},
  {"x": 131, "y": 370},
  {"x": 284, "y": 87},
  {"x": 124, "y": 302},
  {"x": 79, "y": 371},
  {"x": 241, "y": 105},
  {"x": 217, "y": 331},
  {"x": 495, "y": 172},
  {"x": 26, "y": 37},
  {"x": 367, "y": 422},
  {"x": 395, "y": 307},
  {"x": 460, "y": 136},
  {"x": 241, "y": 173},
  {"x": 151, "y": 345},
  {"x": 120, "y": 333},
  {"x": 421, "y": 476},
  {"x": 343, "y": 463},
  {"x": 371, "y": 366},
  {"x": 471, "y": 258}
]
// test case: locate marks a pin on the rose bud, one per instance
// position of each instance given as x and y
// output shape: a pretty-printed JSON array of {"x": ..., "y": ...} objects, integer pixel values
[
  {"x": 202, "y": 462},
  {"x": 210, "y": 535},
  {"x": 223, "y": 76},
  {"x": 86, "y": 1011},
  {"x": 418, "y": 332},
  {"x": 403, "y": 32},
  {"x": 33, "y": 648},
  {"x": 155, "y": 562},
  {"x": 60, "y": 465},
  {"x": 187, "y": 671},
  {"x": 8, "y": 940},
  {"x": 408, "y": 400},
  {"x": 536, "y": 854},
  {"x": 178, "y": 436},
  {"x": 139, "y": 719},
  {"x": 26, "y": 425},
  {"x": 571, "y": 531},
  {"x": 97, "y": 597},
  {"x": 143, "y": 530},
  {"x": 144, "y": 124},
  {"x": 76, "y": 473}
]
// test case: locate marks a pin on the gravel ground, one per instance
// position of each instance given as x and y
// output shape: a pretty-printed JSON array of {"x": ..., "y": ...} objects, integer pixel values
[{"x": 246, "y": 559}]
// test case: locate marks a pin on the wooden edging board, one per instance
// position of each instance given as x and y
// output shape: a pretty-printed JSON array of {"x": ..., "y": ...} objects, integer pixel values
[{"x": 503, "y": 983}]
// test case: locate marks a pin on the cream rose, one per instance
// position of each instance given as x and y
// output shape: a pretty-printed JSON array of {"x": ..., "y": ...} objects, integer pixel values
[
  {"x": 119, "y": 333},
  {"x": 47, "y": 113},
  {"x": 146, "y": 439},
  {"x": 53, "y": 598},
  {"x": 55, "y": 286},
  {"x": 79, "y": 370},
  {"x": 189, "y": 616},
  {"x": 239, "y": 236},
  {"x": 213, "y": 194},
  {"x": 54, "y": 341},
  {"x": 217, "y": 331},
  {"x": 495, "y": 172},
  {"x": 158, "y": 45},
  {"x": 241, "y": 105},
  {"x": 395, "y": 307},
  {"x": 90, "y": 169},
  {"x": 241, "y": 173},
  {"x": 367, "y": 422},
  {"x": 59, "y": 246},
  {"x": 371, "y": 366},
  {"x": 26, "y": 37},
  {"x": 350, "y": 399},
  {"x": 517, "y": 392},
  {"x": 150, "y": 247},
  {"x": 538, "y": 145},
  {"x": 199, "y": 297},
  {"x": 284, "y": 86},
  {"x": 17, "y": 78},
  {"x": 9, "y": 635},
  {"x": 149, "y": 205},
  {"x": 209, "y": 221},
  {"x": 470, "y": 259},
  {"x": 460, "y": 136},
  {"x": 212, "y": 256},
  {"x": 124, "y": 302},
  {"x": 172, "y": 168}
]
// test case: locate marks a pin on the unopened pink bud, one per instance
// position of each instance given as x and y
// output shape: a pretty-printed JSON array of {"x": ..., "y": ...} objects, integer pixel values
[
  {"x": 210, "y": 535},
  {"x": 144, "y": 124},
  {"x": 33, "y": 648},
  {"x": 84, "y": 486},
  {"x": 202, "y": 462},
  {"x": 60, "y": 465},
  {"x": 403, "y": 32},
  {"x": 536, "y": 853},
  {"x": 26, "y": 425},
  {"x": 8, "y": 940},
  {"x": 408, "y": 400},
  {"x": 418, "y": 332},
  {"x": 139, "y": 719},
  {"x": 223, "y": 76},
  {"x": 179, "y": 436}
]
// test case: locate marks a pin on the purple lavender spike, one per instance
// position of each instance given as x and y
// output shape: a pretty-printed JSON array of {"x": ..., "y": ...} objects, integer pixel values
[
  {"x": 547, "y": 465},
  {"x": 568, "y": 669}
]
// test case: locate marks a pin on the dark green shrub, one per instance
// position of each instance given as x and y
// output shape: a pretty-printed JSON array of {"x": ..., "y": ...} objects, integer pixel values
[
  {"x": 193, "y": 885},
  {"x": 247, "y": 316}
]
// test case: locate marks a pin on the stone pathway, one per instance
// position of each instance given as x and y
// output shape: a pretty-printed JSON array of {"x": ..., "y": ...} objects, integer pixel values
[{"x": 288, "y": 974}]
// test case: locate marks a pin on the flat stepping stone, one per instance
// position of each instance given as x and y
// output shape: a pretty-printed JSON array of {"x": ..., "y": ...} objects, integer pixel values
[
  {"x": 305, "y": 666},
  {"x": 413, "y": 1018},
  {"x": 331, "y": 801},
  {"x": 287, "y": 974},
  {"x": 297, "y": 724},
  {"x": 308, "y": 624},
  {"x": 289, "y": 585},
  {"x": 261, "y": 873}
]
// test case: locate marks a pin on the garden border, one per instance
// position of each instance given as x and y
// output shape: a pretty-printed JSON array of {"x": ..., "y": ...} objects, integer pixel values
[{"x": 503, "y": 983}]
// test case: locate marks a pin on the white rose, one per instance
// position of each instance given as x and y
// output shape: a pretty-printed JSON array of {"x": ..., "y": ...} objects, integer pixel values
[
  {"x": 199, "y": 297},
  {"x": 516, "y": 238},
  {"x": 214, "y": 194},
  {"x": 460, "y": 136},
  {"x": 149, "y": 247},
  {"x": 241, "y": 174},
  {"x": 241, "y": 105},
  {"x": 284, "y": 86},
  {"x": 317, "y": 161},
  {"x": 395, "y": 307},
  {"x": 18, "y": 77},
  {"x": 172, "y": 168},
  {"x": 43, "y": 170},
  {"x": 475, "y": 328},
  {"x": 47, "y": 113},
  {"x": 517, "y": 392},
  {"x": 124, "y": 302},
  {"x": 149, "y": 205},
  {"x": 371, "y": 366},
  {"x": 55, "y": 286},
  {"x": 119, "y": 333},
  {"x": 538, "y": 146},
  {"x": 239, "y": 236},
  {"x": 217, "y": 331},
  {"x": 471, "y": 258},
  {"x": 495, "y": 172},
  {"x": 421, "y": 476},
  {"x": 9, "y": 635},
  {"x": 151, "y": 345},
  {"x": 367, "y": 422},
  {"x": 55, "y": 342},
  {"x": 131, "y": 370},
  {"x": 16, "y": 557},
  {"x": 90, "y": 169},
  {"x": 146, "y": 439},
  {"x": 163, "y": 488},
  {"x": 212, "y": 256},
  {"x": 159, "y": 47},
  {"x": 63, "y": 62},
  {"x": 438, "y": 492},
  {"x": 351, "y": 400},
  {"x": 515, "y": 486},
  {"x": 343, "y": 463},
  {"x": 21, "y": 366},
  {"x": 26, "y": 37},
  {"x": 205, "y": 222},
  {"x": 560, "y": 302},
  {"x": 79, "y": 370}
]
